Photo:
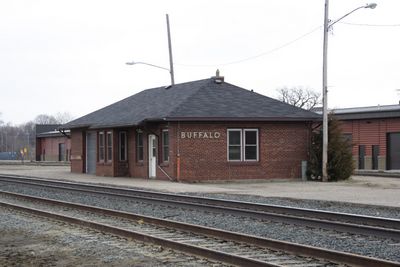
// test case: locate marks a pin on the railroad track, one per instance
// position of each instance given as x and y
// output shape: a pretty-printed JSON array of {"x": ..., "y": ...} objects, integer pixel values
[
  {"x": 224, "y": 246},
  {"x": 342, "y": 222}
]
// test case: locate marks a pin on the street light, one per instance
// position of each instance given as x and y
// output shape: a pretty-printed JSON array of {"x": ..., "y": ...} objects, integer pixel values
[
  {"x": 171, "y": 63},
  {"x": 327, "y": 26},
  {"x": 152, "y": 65}
]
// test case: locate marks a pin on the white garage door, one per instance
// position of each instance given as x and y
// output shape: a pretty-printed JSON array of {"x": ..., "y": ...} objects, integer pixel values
[{"x": 91, "y": 152}]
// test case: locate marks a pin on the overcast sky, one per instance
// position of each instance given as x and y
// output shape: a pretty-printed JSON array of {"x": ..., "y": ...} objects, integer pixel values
[{"x": 69, "y": 56}]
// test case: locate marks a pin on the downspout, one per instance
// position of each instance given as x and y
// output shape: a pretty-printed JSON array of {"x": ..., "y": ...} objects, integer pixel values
[{"x": 178, "y": 155}]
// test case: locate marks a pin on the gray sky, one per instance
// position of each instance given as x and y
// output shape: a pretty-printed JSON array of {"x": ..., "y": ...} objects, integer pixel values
[{"x": 69, "y": 56}]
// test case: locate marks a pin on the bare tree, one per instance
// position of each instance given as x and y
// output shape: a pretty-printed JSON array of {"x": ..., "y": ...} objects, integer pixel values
[
  {"x": 299, "y": 97},
  {"x": 45, "y": 119},
  {"x": 14, "y": 138},
  {"x": 63, "y": 117}
]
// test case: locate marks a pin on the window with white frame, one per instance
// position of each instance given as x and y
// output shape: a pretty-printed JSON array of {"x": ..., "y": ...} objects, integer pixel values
[
  {"x": 250, "y": 144},
  {"x": 165, "y": 145},
  {"x": 234, "y": 144},
  {"x": 101, "y": 146},
  {"x": 122, "y": 146},
  {"x": 109, "y": 147},
  {"x": 243, "y": 145}
]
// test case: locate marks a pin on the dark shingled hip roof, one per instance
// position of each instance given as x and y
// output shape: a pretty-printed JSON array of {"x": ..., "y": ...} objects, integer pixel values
[{"x": 203, "y": 100}]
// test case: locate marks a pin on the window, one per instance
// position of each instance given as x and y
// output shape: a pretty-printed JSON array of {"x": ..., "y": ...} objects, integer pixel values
[
  {"x": 242, "y": 145},
  {"x": 122, "y": 146},
  {"x": 101, "y": 146},
  {"x": 250, "y": 144},
  {"x": 165, "y": 145},
  {"x": 235, "y": 144},
  {"x": 109, "y": 147},
  {"x": 139, "y": 146}
]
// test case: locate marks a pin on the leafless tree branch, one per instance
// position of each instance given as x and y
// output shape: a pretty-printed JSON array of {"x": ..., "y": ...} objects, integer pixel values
[{"x": 300, "y": 97}]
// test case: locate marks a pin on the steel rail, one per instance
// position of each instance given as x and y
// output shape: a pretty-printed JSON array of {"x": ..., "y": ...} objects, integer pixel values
[
  {"x": 321, "y": 214},
  {"x": 292, "y": 219},
  {"x": 309, "y": 251}
]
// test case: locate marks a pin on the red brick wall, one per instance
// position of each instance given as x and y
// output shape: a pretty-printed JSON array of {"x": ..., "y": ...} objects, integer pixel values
[
  {"x": 48, "y": 147},
  {"x": 141, "y": 168},
  {"x": 282, "y": 147},
  {"x": 370, "y": 132},
  {"x": 136, "y": 168},
  {"x": 108, "y": 168}
]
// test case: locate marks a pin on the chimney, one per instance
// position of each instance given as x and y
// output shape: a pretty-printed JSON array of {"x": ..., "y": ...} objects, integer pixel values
[{"x": 218, "y": 79}]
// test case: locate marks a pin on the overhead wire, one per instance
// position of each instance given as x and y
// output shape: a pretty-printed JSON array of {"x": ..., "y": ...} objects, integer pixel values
[
  {"x": 282, "y": 46},
  {"x": 371, "y": 25},
  {"x": 255, "y": 56}
]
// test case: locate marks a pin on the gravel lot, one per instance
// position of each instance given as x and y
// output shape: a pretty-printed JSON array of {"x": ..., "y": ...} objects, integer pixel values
[{"x": 369, "y": 246}]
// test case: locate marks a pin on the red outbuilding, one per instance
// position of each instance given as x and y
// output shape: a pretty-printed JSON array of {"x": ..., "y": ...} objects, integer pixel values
[
  {"x": 375, "y": 135},
  {"x": 201, "y": 130},
  {"x": 52, "y": 145}
]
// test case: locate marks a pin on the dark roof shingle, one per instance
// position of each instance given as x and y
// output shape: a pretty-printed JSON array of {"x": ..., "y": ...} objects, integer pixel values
[{"x": 197, "y": 100}]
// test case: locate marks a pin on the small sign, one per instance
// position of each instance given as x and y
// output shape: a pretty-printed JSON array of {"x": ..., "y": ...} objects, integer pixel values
[{"x": 200, "y": 135}]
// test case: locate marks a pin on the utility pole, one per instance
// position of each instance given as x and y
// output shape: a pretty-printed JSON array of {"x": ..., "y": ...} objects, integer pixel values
[
  {"x": 325, "y": 96},
  {"x": 171, "y": 63},
  {"x": 327, "y": 26}
]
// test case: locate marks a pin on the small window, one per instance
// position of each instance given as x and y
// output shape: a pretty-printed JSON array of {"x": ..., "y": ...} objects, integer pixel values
[
  {"x": 165, "y": 145},
  {"x": 122, "y": 146},
  {"x": 139, "y": 146},
  {"x": 234, "y": 144},
  {"x": 242, "y": 145},
  {"x": 101, "y": 146},
  {"x": 251, "y": 144},
  {"x": 109, "y": 147}
]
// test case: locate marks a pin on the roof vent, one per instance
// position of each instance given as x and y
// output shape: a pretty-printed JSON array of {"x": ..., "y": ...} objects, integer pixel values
[{"x": 218, "y": 79}]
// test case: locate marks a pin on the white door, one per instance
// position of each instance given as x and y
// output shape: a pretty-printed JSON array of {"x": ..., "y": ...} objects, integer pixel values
[{"x": 152, "y": 155}]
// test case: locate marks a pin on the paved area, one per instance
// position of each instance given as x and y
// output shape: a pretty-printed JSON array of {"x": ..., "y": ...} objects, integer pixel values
[{"x": 359, "y": 189}]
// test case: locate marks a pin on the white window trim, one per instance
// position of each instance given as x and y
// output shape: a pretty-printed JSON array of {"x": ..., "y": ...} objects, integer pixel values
[
  {"x": 126, "y": 146},
  {"x": 241, "y": 145},
  {"x": 244, "y": 144}
]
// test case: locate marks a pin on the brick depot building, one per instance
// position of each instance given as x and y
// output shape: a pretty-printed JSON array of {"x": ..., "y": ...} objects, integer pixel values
[
  {"x": 375, "y": 135},
  {"x": 200, "y": 130}
]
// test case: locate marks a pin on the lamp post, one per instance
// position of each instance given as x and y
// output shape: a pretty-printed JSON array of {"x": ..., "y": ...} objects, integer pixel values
[
  {"x": 152, "y": 65},
  {"x": 327, "y": 25},
  {"x": 171, "y": 63}
]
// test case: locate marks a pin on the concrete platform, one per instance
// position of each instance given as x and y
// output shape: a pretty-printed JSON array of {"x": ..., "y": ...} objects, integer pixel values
[{"x": 359, "y": 189}]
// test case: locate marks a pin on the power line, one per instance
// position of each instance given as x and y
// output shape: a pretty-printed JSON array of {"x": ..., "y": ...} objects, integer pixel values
[
  {"x": 371, "y": 25},
  {"x": 255, "y": 56}
]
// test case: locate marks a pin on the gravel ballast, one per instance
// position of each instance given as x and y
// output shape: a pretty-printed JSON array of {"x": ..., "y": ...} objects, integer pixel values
[
  {"x": 28, "y": 240},
  {"x": 369, "y": 246}
]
